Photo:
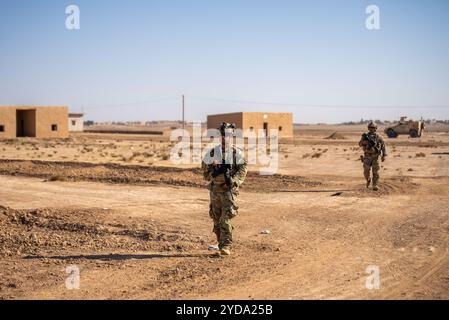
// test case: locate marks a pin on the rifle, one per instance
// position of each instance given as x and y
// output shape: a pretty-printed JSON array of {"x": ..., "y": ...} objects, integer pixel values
[
  {"x": 371, "y": 142},
  {"x": 228, "y": 182},
  {"x": 226, "y": 170}
]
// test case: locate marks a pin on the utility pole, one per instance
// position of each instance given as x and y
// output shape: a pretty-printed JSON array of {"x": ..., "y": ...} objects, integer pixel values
[{"x": 183, "y": 114}]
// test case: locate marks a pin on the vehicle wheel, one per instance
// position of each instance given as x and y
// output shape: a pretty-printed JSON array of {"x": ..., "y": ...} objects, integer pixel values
[
  {"x": 413, "y": 133},
  {"x": 391, "y": 133}
]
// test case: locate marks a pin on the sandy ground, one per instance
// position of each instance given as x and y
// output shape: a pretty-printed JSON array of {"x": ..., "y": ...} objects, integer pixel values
[{"x": 145, "y": 234}]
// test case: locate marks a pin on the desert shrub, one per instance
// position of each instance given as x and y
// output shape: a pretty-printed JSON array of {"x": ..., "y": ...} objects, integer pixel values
[
  {"x": 420, "y": 155},
  {"x": 57, "y": 177},
  {"x": 316, "y": 155}
]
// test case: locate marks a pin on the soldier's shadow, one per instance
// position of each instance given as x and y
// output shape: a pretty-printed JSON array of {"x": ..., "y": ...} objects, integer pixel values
[{"x": 118, "y": 257}]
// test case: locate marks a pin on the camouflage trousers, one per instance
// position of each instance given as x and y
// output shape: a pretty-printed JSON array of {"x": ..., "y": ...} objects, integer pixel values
[
  {"x": 222, "y": 209},
  {"x": 371, "y": 161}
]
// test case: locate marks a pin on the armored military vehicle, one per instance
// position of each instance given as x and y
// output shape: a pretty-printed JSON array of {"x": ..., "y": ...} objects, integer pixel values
[{"x": 406, "y": 126}]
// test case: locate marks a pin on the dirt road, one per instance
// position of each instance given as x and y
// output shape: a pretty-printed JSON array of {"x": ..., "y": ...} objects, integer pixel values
[
  {"x": 136, "y": 227},
  {"x": 151, "y": 241}
]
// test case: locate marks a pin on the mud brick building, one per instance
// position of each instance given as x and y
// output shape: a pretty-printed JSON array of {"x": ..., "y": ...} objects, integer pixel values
[
  {"x": 33, "y": 121},
  {"x": 253, "y": 121}
]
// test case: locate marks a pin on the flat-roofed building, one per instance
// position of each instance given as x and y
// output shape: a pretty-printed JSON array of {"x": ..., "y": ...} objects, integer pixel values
[
  {"x": 76, "y": 122},
  {"x": 253, "y": 121},
  {"x": 33, "y": 121}
]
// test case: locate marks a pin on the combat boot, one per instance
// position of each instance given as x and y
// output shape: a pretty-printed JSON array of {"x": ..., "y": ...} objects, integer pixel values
[
  {"x": 375, "y": 188},
  {"x": 368, "y": 182},
  {"x": 225, "y": 252}
]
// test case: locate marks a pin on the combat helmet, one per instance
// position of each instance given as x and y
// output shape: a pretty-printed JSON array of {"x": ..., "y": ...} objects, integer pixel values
[
  {"x": 226, "y": 127},
  {"x": 372, "y": 125}
]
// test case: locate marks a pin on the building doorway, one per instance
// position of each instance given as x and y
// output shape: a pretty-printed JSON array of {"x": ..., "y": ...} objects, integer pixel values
[
  {"x": 265, "y": 128},
  {"x": 26, "y": 123}
]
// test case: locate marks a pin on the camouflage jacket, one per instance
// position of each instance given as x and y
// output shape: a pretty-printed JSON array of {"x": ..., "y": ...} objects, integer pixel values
[
  {"x": 379, "y": 146},
  {"x": 237, "y": 163}
]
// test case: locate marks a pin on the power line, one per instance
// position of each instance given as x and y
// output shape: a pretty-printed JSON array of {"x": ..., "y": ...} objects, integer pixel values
[
  {"x": 298, "y": 105},
  {"x": 131, "y": 103},
  {"x": 315, "y": 105}
]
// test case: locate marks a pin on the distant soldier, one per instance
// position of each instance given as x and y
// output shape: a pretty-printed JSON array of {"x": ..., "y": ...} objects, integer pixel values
[
  {"x": 374, "y": 147},
  {"x": 225, "y": 168}
]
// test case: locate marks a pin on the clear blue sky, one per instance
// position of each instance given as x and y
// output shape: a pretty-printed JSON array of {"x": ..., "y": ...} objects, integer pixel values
[{"x": 302, "y": 53}]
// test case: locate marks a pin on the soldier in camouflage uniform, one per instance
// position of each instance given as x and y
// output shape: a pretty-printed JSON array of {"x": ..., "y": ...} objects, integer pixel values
[
  {"x": 225, "y": 168},
  {"x": 374, "y": 147}
]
